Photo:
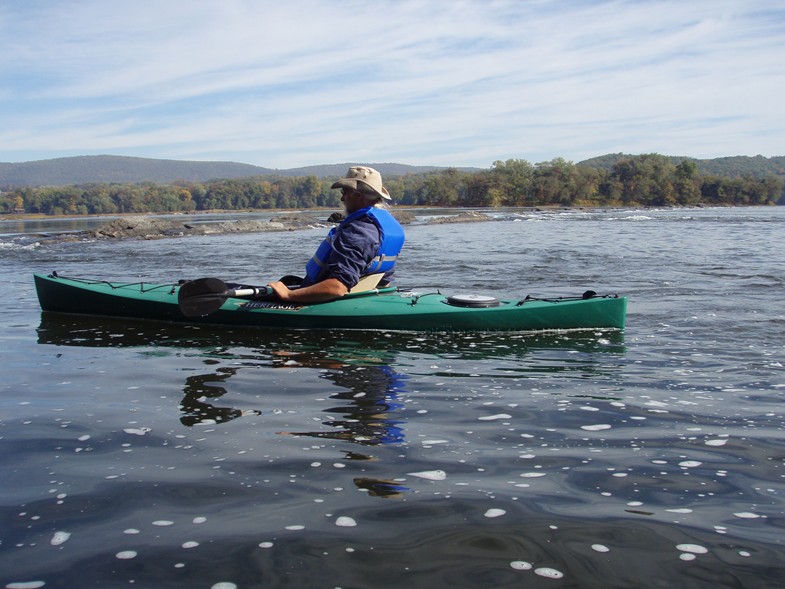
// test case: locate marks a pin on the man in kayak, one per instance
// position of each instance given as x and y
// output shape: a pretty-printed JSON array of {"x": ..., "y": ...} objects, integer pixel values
[{"x": 367, "y": 241}]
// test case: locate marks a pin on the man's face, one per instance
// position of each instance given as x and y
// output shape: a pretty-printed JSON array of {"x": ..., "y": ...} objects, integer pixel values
[{"x": 352, "y": 200}]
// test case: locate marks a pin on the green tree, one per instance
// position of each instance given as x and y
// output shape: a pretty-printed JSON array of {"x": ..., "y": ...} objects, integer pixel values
[
  {"x": 514, "y": 179},
  {"x": 445, "y": 189}
]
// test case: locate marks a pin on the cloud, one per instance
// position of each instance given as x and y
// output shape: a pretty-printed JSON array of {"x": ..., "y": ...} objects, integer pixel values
[{"x": 305, "y": 82}]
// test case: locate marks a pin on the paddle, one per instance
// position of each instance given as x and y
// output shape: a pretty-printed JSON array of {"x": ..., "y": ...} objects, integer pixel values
[{"x": 203, "y": 296}]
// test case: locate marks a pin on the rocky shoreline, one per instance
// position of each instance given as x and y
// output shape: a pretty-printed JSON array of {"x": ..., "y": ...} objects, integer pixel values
[{"x": 150, "y": 227}]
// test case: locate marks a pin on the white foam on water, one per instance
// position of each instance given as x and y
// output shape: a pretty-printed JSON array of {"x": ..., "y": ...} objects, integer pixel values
[
  {"x": 495, "y": 417},
  {"x": 163, "y": 523},
  {"x": 495, "y": 513},
  {"x": 25, "y": 585},
  {"x": 345, "y": 522},
  {"x": 596, "y": 428},
  {"x": 126, "y": 554},
  {"x": 692, "y": 548},
  {"x": 59, "y": 538},
  {"x": 431, "y": 475},
  {"x": 600, "y": 548},
  {"x": 521, "y": 565},
  {"x": 716, "y": 442},
  {"x": 5, "y": 245},
  {"x": 549, "y": 573}
]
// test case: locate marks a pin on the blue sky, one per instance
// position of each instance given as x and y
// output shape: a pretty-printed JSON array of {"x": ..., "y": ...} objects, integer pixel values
[{"x": 427, "y": 82}]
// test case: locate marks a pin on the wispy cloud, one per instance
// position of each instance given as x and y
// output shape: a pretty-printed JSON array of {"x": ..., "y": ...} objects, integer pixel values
[{"x": 458, "y": 83}]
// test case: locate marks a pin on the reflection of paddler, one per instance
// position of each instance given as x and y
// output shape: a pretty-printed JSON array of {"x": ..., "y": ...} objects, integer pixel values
[
  {"x": 372, "y": 391},
  {"x": 381, "y": 488},
  {"x": 201, "y": 386}
]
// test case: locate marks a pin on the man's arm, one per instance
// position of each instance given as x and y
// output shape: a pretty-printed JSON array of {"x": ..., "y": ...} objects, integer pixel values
[{"x": 326, "y": 290}]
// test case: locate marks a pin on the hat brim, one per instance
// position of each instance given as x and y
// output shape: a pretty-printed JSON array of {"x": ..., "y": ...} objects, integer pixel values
[{"x": 352, "y": 183}]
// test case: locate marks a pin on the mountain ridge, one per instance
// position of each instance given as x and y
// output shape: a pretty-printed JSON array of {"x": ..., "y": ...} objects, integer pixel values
[{"x": 114, "y": 169}]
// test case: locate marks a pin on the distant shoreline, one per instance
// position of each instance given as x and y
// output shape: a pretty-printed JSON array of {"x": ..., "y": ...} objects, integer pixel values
[
  {"x": 152, "y": 226},
  {"x": 39, "y": 216}
]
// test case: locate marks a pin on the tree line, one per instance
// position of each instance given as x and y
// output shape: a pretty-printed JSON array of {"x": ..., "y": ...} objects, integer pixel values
[{"x": 650, "y": 180}]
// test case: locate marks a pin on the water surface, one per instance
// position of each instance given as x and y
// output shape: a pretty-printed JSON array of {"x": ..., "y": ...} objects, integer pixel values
[{"x": 155, "y": 455}]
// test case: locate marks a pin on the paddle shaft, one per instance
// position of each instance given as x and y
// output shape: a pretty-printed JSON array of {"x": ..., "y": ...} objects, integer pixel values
[{"x": 241, "y": 293}]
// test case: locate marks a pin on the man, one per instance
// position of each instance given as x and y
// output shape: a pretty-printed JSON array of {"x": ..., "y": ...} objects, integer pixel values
[{"x": 367, "y": 241}]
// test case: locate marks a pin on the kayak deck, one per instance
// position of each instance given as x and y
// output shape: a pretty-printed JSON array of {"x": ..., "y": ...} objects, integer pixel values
[{"x": 384, "y": 309}]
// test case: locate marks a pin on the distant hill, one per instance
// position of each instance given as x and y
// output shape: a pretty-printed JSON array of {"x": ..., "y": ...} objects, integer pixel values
[
  {"x": 386, "y": 169},
  {"x": 112, "y": 169},
  {"x": 732, "y": 167}
]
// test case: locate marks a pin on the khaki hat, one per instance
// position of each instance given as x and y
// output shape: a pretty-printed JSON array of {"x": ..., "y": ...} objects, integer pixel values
[{"x": 368, "y": 176}]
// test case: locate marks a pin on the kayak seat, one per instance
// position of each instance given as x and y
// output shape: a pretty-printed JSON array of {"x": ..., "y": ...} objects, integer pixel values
[{"x": 368, "y": 282}]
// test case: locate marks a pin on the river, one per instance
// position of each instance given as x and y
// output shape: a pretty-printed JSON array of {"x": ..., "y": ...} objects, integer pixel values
[{"x": 151, "y": 455}]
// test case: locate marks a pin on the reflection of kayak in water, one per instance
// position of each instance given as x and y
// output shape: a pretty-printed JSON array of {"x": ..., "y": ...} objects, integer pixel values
[{"x": 386, "y": 308}]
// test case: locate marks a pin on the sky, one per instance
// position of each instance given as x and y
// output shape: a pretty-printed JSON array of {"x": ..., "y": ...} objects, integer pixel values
[{"x": 420, "y": 82}]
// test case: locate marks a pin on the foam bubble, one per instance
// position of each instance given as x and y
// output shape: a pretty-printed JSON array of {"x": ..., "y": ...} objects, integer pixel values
[
  {"x": 126, "y": 554},
  {"x": 59, "y": 538},
  {"x": 549, "y": 573},
  {"x": 431, "y": 475},
  {"x": 692, "y": 548}
]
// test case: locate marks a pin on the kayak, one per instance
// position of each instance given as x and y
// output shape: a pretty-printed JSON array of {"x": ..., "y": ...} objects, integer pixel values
[{"x": 389, "y": 308}]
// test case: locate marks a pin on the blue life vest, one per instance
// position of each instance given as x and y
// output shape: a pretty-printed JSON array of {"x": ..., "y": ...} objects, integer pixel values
[{"x": 392, "y": 238}]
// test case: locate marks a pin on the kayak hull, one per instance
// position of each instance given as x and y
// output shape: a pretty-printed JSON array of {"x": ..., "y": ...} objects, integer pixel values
[{"x": 387, "y": 309}]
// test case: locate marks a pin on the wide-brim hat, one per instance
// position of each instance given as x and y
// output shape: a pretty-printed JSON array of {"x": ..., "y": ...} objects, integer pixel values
[{"x": 367, "y": 176}]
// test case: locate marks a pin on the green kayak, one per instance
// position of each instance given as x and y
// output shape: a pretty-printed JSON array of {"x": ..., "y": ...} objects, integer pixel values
[{"x": 210, "y": 301}]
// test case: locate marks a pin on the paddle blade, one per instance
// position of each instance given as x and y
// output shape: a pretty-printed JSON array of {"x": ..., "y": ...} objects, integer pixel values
[{"x": 201, "y": 297}]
